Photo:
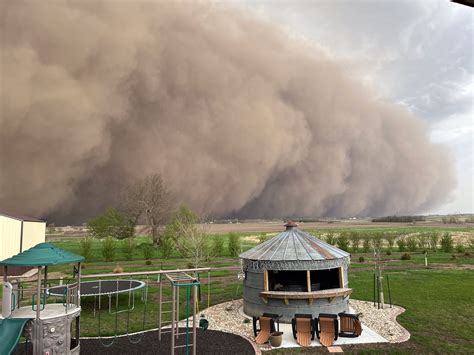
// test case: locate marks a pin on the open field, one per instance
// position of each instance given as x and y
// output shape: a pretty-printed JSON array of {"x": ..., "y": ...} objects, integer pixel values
[{"x": 438, "y": 299}]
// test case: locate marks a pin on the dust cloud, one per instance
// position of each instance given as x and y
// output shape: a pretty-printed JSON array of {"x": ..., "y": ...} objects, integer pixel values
[{"x": 238, "y": 118}]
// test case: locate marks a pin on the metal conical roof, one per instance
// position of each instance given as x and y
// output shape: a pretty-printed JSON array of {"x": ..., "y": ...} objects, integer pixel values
[{"x": 294, "y": 245}]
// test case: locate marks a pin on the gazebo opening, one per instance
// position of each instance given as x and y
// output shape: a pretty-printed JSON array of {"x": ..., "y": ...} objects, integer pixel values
[
  {"x": 287, "y": 281},
  {"x": 325, "y": 279},
  {"x": 304, "y": 281}
]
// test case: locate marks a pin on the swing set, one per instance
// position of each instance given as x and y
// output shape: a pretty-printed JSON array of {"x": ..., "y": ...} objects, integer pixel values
[{"x": 186, "y": 279}]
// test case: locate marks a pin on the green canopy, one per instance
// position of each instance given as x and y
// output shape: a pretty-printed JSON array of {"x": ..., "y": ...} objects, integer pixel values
[{"x": 43, "y": 254}]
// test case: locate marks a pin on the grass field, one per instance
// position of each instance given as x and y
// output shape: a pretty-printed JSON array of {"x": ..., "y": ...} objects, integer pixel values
[{"x": 438, "y": 299}]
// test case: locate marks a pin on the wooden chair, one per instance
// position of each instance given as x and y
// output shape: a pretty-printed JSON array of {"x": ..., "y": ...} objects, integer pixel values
[
  {"x": 303, "y": 327},
  {"x": 351, "y": 326},
  {"x": 327, "y": 329},
  {"x": 266, "y": 326}
]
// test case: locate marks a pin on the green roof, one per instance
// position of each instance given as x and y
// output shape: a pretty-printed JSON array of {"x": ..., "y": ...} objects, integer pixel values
[{"x": 43, "y": 254}]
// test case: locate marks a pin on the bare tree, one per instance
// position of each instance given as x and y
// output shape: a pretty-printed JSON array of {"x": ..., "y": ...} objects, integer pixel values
[
  {"x": 189, "y": 237},
  {"x": 149, "y": 199}
]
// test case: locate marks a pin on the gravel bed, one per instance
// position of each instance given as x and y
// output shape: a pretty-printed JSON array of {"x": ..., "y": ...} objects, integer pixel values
[
  {"x": 226, "y": 317},
  {"x": 382, "y": 321}
]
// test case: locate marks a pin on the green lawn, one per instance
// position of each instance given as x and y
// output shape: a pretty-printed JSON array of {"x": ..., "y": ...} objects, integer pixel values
[{"x": 438, "y": 300}]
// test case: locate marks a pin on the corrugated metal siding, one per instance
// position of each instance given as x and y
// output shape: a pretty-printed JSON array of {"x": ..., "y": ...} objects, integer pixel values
[
  {"x": 10, "y": 233},
  {"x": 33, "y": 234}
]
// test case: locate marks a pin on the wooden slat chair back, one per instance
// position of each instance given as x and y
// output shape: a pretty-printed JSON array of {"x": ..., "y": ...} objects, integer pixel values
[
  {"x": 303, "y": 329},
  {"x": 350, "y": 325},
  {"x": 265, "y": 330},
  {"x": 327, "y": 329}
]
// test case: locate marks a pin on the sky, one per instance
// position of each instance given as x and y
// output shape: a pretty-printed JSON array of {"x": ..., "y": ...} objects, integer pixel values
[{"x": 418, "y": 54}]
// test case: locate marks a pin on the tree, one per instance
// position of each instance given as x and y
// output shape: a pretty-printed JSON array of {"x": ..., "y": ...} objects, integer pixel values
[
  {"x": 189, "y": 238},
  {"x": 111, "y": 223},
  {"x": 150, "y": 200}
]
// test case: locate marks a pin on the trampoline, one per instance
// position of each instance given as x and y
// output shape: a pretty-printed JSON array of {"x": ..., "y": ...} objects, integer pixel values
[{"x": 102, "y": 288}]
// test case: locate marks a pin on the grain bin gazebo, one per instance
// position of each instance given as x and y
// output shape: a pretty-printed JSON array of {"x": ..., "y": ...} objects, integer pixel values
[{"x": 295, "y": 272}]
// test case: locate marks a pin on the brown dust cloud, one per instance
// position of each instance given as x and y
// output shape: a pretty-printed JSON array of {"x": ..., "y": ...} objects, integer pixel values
[{"x": 238, "y": 117}]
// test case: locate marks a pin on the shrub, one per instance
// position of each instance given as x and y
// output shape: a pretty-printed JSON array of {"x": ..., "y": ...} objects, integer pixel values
[
  {"x": 434, "y": 237},
  {"x": 218, "y": 245},
  {"x": 108, "y": 248},
  {"x": 447, "y": 243},
  {"x": 361, "y": 259},
  {"x": 405, "y": 256},
  {"x": 355, "y": 241},
  {"x": 460, "y": 248},
  {"x": 402, "y": 246},
  {"x": 423, "y": 241},
  {"x": 86, "y": 247},
  {"x": 411, "y": 244},
  {"x": 389, "y": 252},
  {"x": 148, "y": 262},
  {"x": 166, "y": 246},
  {"x": 148, "y": 251},
  {"x": 366, "y": 245},
  {"x": 233, "y": 244},
  {"x": 390, "y": 241},
  {"x": 262, "y": 238},
  {"x": 330, "y": 238},
  {"x": 128, "y": 246},
  {"x": 343, "y": 242}
]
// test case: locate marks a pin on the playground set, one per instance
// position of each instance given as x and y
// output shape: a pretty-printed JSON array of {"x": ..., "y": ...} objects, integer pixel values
[
  {"x": 51, "y": 327},
  {"x": 295, "y": 288}
]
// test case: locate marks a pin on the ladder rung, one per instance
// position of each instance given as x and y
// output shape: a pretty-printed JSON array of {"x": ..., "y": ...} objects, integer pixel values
[{"x": 182, "y": 346}]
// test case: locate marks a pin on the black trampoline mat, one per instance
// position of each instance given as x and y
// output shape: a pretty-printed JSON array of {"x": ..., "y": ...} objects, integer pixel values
[{"x": 105, "y": 287}]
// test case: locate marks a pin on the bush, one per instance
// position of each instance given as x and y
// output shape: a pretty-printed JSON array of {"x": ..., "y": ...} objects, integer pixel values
[
  {"x": 218, "y": 246},
  {"x": 405, "y": 256},
  {"x": 128, "y": 246},
  {"x": 330, "y": 238},
  {"x": 434, "y": 237},
  {"x": 390, "y": 241},
  {"x": 262, "y": 238},
  {"x": 402, "y": 246},
  {"x": 148, "y": 251},
  {"x": 423, "y": 241},
  {"x": 389, "y": 252},
  {"x": 361, "y": 259},
  {"x": 355, "y": 241},
  {"x": 166, "y": 246},
  {"x": 366, "y": 245},
  {"x": 460, "y": 248},
  {"x": 233, "y": 244},
  {"x": 343, "y": 242},
  {"x": 411, "y": 244},
  {"x": 86, "y": 247},
  {"x": 148, "y": 262},
  {"x": 108, "y": 248},
  {"x": 447, "y": 243}
]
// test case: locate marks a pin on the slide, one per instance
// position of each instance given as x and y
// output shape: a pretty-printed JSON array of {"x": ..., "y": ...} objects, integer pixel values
[{"x": 10, "y": 332}]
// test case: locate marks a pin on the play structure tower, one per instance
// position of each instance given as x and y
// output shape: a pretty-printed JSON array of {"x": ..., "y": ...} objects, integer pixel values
[{"x": 51, "y": 328}]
